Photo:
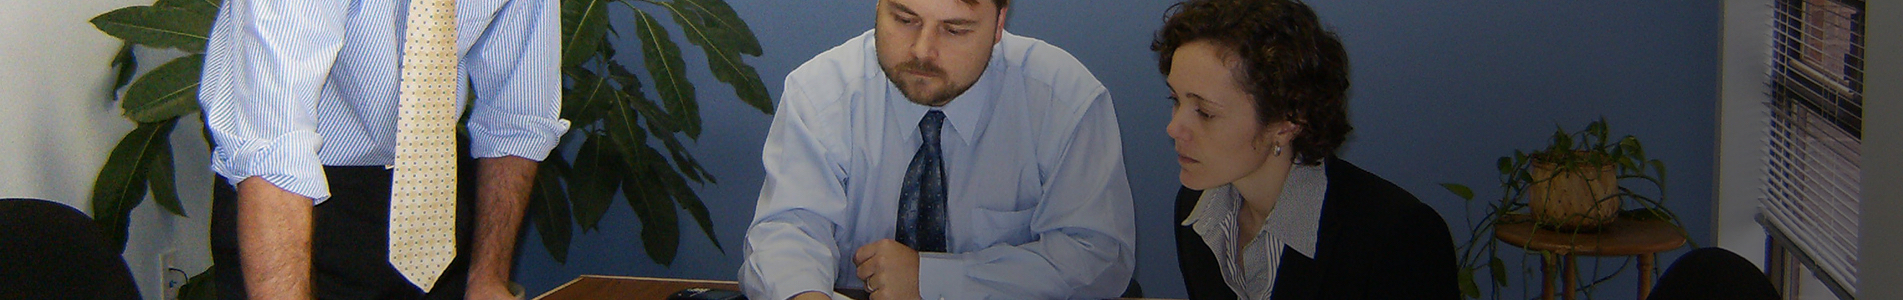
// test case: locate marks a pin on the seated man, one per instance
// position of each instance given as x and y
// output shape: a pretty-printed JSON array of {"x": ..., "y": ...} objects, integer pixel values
[{"x": 999, "y": 173}]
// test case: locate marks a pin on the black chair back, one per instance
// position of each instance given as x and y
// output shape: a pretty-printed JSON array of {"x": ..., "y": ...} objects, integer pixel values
[
  {"x": 51, "y": 251},
  {"x": 1713, "y": 273}
]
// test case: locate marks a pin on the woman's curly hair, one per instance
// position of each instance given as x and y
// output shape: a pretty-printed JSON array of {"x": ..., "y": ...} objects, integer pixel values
[{"x": 1295, "y": 69}]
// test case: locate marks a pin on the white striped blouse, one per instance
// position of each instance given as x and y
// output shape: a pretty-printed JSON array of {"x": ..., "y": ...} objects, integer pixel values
[
  {"x": 292, "y": 86},
  {"x": 1293, "y": 224}
]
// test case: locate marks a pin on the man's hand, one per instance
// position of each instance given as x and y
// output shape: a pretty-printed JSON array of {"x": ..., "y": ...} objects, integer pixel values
[
  {"x": 889, "y": 268},
  {"x": 503, "y": 193}
]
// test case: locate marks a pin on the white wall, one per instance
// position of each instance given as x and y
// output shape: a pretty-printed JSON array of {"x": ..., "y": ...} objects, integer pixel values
[
  {"x": 1741, "y": 118},
  {"x": 60, "y": 127},
  {"x": 1879, "y": 267}
]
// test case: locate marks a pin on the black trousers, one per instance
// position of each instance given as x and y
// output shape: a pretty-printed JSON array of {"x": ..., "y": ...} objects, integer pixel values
[{"x": 349, "y": 240}]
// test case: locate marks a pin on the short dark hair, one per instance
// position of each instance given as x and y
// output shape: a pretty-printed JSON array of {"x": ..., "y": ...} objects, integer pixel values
[{"x": 1295, "y": 69}]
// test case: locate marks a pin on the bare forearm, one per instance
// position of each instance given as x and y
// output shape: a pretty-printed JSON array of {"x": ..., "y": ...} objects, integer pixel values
[
  {"x": 503, "y": 187},
  {"x": 274, "y": 240}
]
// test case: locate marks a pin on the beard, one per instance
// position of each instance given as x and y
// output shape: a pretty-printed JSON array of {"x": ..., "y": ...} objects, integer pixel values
[{"x": 917, "y": 85}]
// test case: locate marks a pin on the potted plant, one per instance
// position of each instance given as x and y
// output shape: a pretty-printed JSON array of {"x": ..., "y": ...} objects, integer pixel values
[{"x": 1576, "y": 184}]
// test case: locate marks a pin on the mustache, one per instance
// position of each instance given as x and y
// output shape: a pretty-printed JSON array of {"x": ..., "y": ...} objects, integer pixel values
[{"x": 921, "y": 67}]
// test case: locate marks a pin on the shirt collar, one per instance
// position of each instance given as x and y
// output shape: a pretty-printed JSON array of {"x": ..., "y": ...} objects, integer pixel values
[
  {"x": 1207, "y": 207},
  {"x": 1295, "y": 220},
  {"x": 969, "y": 112}
]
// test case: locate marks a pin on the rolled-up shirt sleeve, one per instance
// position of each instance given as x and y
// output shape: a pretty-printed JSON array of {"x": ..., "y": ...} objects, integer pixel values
[
  {"x": 265, "y": 65},
  {"x": 517, "y": 111}
]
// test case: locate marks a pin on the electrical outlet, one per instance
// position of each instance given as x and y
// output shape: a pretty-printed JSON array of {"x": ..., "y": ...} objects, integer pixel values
[{"x": 171, "y": 277}]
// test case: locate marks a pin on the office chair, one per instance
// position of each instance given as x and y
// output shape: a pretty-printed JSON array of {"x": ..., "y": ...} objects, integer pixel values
[{"x": 1713, "y": 273}]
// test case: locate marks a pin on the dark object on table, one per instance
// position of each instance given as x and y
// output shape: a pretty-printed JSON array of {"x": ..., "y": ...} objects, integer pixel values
[
  {"x": 1134, "y": 291},
  {"x": 857, "y": 294},
  {"x": 51, "y": 251},
  {"x": 706, "y": 294},
  {"x": 1713, "y": 273}
]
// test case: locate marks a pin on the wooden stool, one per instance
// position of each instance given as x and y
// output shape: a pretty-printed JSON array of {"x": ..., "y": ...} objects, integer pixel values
[{"x": 1623, "y": 237}]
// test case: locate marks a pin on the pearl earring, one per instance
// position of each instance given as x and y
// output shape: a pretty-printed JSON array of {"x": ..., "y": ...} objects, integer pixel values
[{"x": 1278, "y": 150}]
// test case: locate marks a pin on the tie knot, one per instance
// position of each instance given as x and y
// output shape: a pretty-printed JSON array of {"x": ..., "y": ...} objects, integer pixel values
[{"x": 929, "y": 126}]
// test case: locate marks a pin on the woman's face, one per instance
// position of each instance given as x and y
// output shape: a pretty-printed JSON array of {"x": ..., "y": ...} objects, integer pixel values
[{"x": 1213, "y": 121}]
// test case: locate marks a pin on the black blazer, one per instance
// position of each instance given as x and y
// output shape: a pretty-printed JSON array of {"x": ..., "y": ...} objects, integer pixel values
[{"x": 1376, "y": 241}]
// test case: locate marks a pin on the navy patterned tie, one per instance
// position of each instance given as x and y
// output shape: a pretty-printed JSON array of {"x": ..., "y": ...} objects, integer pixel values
[{"x": 922, "y": 199}]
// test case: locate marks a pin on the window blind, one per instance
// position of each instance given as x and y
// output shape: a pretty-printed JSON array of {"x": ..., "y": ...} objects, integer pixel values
[{"x": 1814, "y": 139}]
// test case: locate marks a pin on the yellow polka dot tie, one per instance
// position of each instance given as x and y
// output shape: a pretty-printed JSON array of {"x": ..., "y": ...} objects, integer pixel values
[{"x": 423, "y": 191}]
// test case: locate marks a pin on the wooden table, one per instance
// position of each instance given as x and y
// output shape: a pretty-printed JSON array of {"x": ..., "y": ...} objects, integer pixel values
[
  {"x": 623, "y": 287},
  {"x": 642, "y": 288},
  {"x": 1624, "y": 237}
]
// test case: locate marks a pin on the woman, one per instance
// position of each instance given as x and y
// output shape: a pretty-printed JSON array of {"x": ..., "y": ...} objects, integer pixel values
[{"x": 1267, "y": 210}]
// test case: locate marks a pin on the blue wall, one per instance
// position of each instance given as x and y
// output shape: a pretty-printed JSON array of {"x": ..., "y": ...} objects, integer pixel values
[{"x": 1442, "y": 88}]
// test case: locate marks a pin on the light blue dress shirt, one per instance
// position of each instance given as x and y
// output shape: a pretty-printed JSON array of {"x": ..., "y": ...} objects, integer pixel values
[
  {"x": 292, "y": 86},
  {"x": 1039, "y": 202}
]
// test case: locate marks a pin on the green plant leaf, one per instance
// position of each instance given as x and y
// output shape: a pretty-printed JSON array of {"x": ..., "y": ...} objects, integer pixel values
[
  {"x": 1597, "y": 130},
  {"x": 660, "y": 222},
  {"x": 657, "y": 120},
  {"x": 721, "y": 20},
  {"x": 124, "y": 65},
  {"x": 159, "y": 175},
  {"x": 669, "y": 72},
  {"x": 1505, "y": 164},
  {"x": 169, "y": 91},
  {"x": 121, "y": 184},
  {"x": 584, "y": 103},
  {"x": 683, "y": 160},
  {"x": 549, "y": 208},
  {"x": 625, "y": 130},
  {"x": 631, "y": 95},
  {"x": 157, "y": 27},
  {"x": 621, "y": 74},
  {"x": 200, "y": 287},
  {"x": 1659, "y": 167},
  {"x": 1562, "y": 142},
  {"x": 1499, "y": 269},
  {"x": 1459, "y": 190},
  {"x": 207, "y": 8},
  {"x": 621, "y": 140},
  {"x": 685, "y": 196},
  {"x": 1632, "y": 148},
  {"x": 660, "y": 128},
  {"x": 1467, "y": 286},
  {"x": 591, "y": 185},
  {"x": 584, "y": 22},
  {"x": 723, "y": 58},
  {"x": 698, "y": 209}
]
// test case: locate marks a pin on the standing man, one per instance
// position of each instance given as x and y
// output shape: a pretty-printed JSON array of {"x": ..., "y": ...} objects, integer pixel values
[
  {"x": 938, "y": 156},
  {"x": 336, "y": 121}
]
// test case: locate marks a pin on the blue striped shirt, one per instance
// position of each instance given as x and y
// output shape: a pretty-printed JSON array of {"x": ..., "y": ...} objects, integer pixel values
[{"x": 292, "y": 86}]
